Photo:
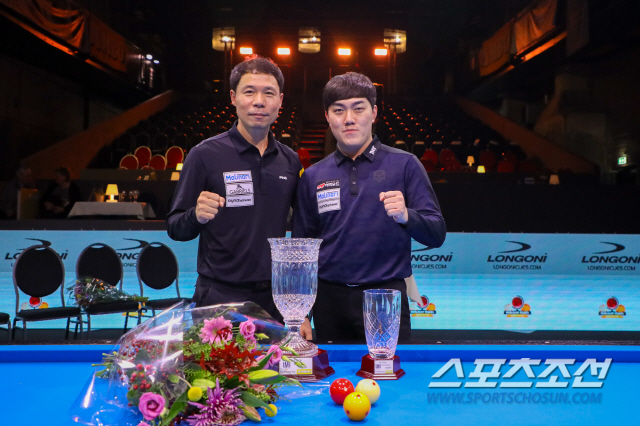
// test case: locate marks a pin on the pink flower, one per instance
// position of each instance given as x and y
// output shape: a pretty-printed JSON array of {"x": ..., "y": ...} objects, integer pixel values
[
  {"x": 247, "y": 329},
  {"x": 216, "y": 330},
  {"x": 151, "y": 405},
  {"x": 275, "y": 358},
  {"x": 143, "y": 424}
]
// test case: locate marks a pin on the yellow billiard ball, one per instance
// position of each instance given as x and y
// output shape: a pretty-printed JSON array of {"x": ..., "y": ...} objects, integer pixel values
[
  {"x": 357, "y": 406},
  {"x": 271, "y": 411},
  {"x": 370, "y": 388}
]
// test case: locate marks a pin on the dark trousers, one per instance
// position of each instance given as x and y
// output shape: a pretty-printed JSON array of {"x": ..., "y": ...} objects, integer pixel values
[
  {"x": 213, "y": 292},
  {"x": 337, "y": 312}
]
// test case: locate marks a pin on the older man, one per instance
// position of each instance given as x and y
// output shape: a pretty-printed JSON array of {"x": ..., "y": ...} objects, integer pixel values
[{"x": 235, "y": 191}]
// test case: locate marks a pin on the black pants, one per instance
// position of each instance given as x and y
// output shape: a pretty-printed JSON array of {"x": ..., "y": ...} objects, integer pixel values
[
  {"x": 213, "y": 292},
  {"x": 337, "y": 312}
]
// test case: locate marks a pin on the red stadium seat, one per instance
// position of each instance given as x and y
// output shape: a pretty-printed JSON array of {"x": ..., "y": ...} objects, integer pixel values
[
  {"x": 174, "y": 155},
  {"x": 129, "y": 162},
  {"x": 143, "y": 154},
  {"x": 505, "y": 166},
  {"x": 430, "y": 155},
  {"x": 428, "y": 165},
  {"x": 488, "y": 159},
  {"x": 305, "y": 157},
  {"x": 158, "y": 162},
  {"x": 446, "y": 156}
]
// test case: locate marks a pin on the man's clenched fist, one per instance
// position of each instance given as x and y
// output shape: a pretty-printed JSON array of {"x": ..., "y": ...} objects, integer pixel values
[
  {"x": 395, "y": 206},
  {"x": 207, "y": 206}
]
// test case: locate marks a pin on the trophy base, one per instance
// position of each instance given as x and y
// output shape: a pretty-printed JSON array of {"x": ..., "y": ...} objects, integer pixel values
[
  {"x": 315, "y": 367},
  {"x": 380, "y": 369}
]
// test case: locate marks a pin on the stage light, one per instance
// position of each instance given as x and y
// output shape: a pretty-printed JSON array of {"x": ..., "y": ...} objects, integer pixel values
[
  {"x": 344, "y": 52},
  {"x": 480, "y": 169},
  {"x": 309, "y": 40},
  {"x": 246, "y": 51},
  {"x": 554, "y": 180},
  {"x": 179, "y": 166},
  {"x": 155, "y": 61},
  {"x": 380, "y": 52},
  {"x": 112, "y": 190},
  {"x": 149, "y": 57},
  {"x": 284, "y": 51},
  {"x": 223, "y": 39}
]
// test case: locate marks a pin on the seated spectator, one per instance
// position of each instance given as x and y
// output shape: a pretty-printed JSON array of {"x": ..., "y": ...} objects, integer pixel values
[
  {"x": 59, "y": 198},
  {"x": 9, "y": 198}
]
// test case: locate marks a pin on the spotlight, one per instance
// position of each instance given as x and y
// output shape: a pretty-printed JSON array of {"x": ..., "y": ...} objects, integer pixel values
[
  {"x": 149, "y": 57},
  {"x": 246, "y": 51},
  {"x": 284, "y": 51},
  {"x": 381, "y": 52},
  {"x": 344, "y": 52},
  {"x": 155, "y": 61}
]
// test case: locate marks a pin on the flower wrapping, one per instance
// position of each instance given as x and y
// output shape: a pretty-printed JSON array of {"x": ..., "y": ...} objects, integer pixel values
[
  {"x": 89, "y": 291},
  {"x": 199, "y": 366}
]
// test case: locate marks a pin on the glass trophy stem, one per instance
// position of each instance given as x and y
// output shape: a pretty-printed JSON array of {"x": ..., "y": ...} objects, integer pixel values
[{"x": 298, "y": 343}]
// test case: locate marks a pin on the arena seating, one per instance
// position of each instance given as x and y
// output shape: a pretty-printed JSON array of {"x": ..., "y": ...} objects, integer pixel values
[
  {"x": 448, "y": 137},
  {"x": 184, "y": 125}
]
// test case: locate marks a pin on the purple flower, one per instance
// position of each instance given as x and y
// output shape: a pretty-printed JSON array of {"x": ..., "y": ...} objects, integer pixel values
[
  {"x": 216, "y": 330},
  {"x": 247, "y": 329},
  {"x": 222, "y": 408},
  {"x": 275, "y": 358},
  {"x": 151, "y": 405}
]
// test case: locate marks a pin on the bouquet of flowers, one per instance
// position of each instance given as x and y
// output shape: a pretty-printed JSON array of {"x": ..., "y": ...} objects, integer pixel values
[
  {"x": 89, "y": 291},
  {"x": 203, "y": 366}
]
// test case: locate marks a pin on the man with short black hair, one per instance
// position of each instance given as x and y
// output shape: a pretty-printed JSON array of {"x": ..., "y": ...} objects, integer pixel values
[
  {"x": 366, "y": 201},
  {"x": 235, "y": 191}
]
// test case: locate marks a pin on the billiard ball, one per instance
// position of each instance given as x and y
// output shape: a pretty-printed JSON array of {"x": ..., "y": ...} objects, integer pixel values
[
  {"x": 370, "y": 388},
  {"x": 357, "y": 406},
  {"x": 271, "y": 410},
  {"x": 339, "y": 390}
]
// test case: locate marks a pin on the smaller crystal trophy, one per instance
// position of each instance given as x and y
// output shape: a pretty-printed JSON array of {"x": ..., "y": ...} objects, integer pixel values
[
  {"x": 381, "y": 310},
  {"x": 294, "y": 283}
]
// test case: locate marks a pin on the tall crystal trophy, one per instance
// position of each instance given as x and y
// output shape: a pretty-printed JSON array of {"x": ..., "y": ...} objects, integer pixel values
[
  {"x": 381, "y": 310},
  {"x": 294, "y": 282}
]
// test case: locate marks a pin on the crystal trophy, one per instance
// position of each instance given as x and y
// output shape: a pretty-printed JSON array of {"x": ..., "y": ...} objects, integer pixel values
[
  {"x": 381, "y": 310},
  {"x": 294, "y": 283}
]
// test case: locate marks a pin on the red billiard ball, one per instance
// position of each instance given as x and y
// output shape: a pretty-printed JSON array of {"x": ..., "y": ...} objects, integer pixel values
[{"x": 339, "y": 390}]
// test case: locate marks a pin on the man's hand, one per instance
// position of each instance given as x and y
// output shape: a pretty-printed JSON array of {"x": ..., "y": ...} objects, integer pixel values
[
  {"x": 395, "y": 206},
  {"x": 305, "y": 329},
  {"x": 207, "y": 206}
]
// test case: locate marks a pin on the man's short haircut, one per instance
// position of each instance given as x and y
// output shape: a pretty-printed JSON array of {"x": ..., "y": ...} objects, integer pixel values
[
  {"x": 255, "y": 64},
  {"x": 64, "y": 172},
  {"x": 347, "y": 86}
]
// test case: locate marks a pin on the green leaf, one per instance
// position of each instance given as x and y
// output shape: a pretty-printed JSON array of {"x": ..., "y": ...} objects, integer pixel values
[
  {"x": 179, "y": 405},
  {"x": 142, "y": 356},
  {"x": 269, "y": 380},
  {"x": 251, "y": 400},
  {"x": 173, "y": 378},
  {"x": 262, "y": 374},
  {"x": 204, "y": 383},
  {"x": 260, "y": 336},
  {"x": 251, "y": 413}
]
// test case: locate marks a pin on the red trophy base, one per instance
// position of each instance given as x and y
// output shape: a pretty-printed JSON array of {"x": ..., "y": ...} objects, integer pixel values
[
  {"x": 380, "y": 369},
  {"x": 315, "y": 368}
]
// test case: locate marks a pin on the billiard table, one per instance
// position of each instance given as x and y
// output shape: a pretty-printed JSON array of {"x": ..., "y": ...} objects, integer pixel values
[{"x": 443, "y": 385}]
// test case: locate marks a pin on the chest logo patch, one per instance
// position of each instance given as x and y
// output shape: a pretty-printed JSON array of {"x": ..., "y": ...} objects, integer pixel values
[
  {"x": 328, "y": 200},
  {"x": 379, "y": 175},
  {"x": 239, "y": 188}
]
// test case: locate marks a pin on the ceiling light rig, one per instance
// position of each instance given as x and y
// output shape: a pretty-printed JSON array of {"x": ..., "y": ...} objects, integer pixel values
[{"x": 309, "y": 40}]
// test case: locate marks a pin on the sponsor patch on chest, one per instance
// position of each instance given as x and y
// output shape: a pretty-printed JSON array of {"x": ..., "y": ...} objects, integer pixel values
[
  {"x": 328, "y": 200},
  {"x": 239, "y": 188}
]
